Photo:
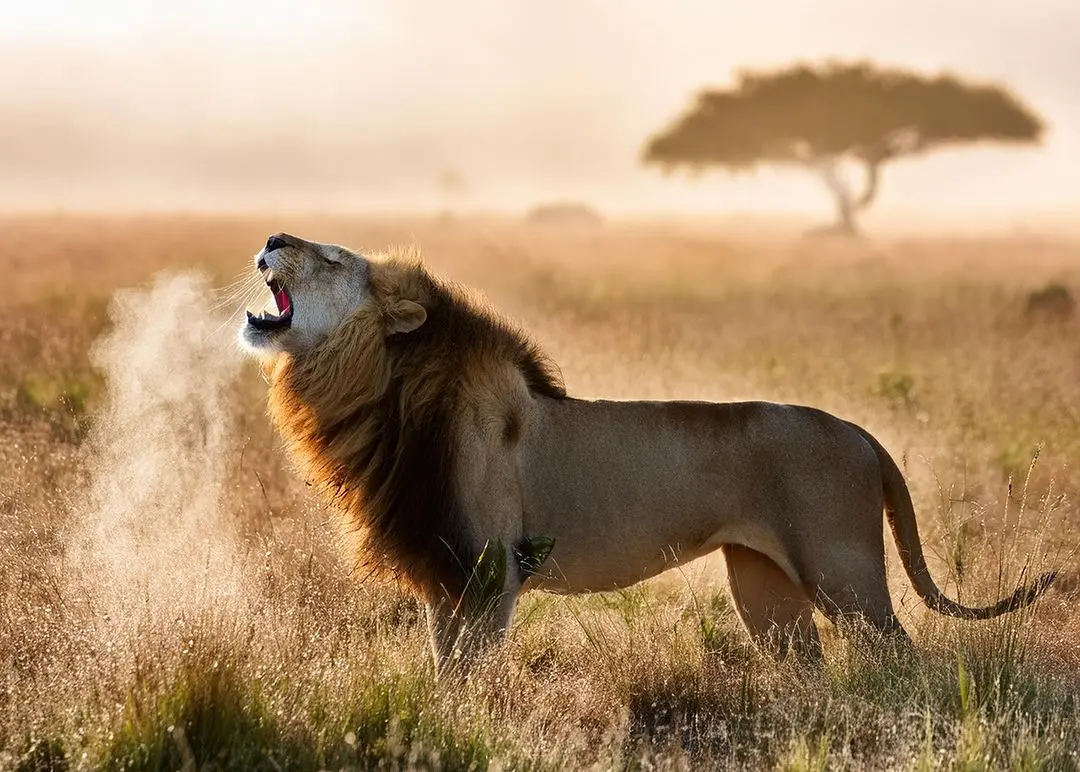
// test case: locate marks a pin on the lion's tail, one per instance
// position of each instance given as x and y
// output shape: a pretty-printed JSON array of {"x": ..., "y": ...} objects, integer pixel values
[{"x": 901, "y": 514}]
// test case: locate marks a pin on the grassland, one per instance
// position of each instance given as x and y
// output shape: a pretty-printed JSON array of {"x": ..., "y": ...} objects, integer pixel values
[{"x": 217, "y": 621}]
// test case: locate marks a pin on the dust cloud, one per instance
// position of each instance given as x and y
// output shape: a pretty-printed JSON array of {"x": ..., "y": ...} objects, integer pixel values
[{"x": 152, "y": 536}]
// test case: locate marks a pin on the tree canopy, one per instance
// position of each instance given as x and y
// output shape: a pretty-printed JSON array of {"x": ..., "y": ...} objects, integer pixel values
[{"x": 821, "y": 117}]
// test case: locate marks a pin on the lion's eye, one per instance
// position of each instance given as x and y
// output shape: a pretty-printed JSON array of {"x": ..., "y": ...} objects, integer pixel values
[{"x": 328, "y": 261}]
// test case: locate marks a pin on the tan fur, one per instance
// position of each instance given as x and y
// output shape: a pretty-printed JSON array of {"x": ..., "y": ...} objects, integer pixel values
[{"x": 441, "y": 430}]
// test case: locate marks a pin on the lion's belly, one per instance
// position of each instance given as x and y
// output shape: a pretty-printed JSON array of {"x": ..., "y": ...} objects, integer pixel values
[{"x": 628, "y": 490}]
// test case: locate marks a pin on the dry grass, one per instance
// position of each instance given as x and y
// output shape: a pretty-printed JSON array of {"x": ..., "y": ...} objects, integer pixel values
[{"x": 273, "y": 654}]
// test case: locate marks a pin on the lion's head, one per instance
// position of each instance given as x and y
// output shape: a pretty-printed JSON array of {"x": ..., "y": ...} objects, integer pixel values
[{"x": 316, "y": 288}]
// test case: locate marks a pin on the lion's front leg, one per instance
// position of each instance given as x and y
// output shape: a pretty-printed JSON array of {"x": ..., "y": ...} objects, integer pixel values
[
  {"x": 482, "y": 631},
  {"x": 444, "y": 627},
  {"x": 482, "y": 615},
  {"x": 459, "y": 639},
  {"x": 486, "y": 608}
]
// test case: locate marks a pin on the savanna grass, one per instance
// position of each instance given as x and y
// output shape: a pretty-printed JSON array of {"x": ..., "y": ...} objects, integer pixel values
[{"x": 929, "y": 343}]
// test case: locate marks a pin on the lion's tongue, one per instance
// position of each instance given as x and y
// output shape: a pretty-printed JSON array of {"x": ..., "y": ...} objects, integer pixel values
[{"x": 282, "y": 301}]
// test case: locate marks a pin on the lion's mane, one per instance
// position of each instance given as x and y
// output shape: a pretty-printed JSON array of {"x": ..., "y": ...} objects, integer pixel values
[{"x": 372, "y": 418}]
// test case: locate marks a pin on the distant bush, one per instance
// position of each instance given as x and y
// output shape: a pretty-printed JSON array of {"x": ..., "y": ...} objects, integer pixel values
[
  {"x": 1054, "y": 301},
  {"x": 897, "y": 388},
  {"x": 564, "y": 213}
]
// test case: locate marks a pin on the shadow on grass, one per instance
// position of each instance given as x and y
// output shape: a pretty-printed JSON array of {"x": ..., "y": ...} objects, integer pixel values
[{"x": 211, "y": 717}]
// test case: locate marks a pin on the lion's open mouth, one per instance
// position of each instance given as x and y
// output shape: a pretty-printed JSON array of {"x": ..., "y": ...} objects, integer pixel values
[{"x": 266, "y": 319}]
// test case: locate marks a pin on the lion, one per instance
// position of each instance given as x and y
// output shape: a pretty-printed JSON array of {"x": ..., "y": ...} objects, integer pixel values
[{"x": 448, "y": 440}]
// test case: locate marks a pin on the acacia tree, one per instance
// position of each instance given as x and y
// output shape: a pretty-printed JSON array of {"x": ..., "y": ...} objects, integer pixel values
[{"x": 829, "y": 118}]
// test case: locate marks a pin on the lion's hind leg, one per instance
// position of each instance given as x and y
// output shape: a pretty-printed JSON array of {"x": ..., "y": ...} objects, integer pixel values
[
  {"x": 855, "y": 597},
  {"x": 775, "y": 611}
]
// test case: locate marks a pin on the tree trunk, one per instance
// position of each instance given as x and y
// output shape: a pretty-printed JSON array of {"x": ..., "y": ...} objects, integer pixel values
[
  {"x": 847, "y": 205},
  {"x": 845, "y": 216},
  {"x": 873, "y": 177}
]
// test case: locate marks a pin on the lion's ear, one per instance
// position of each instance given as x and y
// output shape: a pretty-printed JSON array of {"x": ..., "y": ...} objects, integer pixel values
[{"x": 405, "y": 316}]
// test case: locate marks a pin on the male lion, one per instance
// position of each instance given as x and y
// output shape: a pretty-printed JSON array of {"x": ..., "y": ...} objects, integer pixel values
[{"x": 449, "y": 441}]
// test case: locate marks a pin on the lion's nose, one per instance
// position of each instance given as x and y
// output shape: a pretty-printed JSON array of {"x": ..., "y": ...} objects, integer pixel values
[{"x": 274, "y": 242}]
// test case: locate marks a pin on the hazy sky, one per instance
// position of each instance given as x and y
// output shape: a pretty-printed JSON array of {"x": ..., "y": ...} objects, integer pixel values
[{"x": 362, "y": 104}]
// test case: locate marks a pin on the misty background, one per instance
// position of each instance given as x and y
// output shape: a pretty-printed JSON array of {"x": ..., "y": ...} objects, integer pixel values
[{"x": 375, "y": 105}]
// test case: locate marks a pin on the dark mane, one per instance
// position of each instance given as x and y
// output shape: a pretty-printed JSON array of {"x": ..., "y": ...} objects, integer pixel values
[{"x": 380, "y": 441}]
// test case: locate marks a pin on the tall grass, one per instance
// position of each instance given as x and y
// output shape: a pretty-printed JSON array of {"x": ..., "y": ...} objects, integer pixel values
[{"x": 305, "y": 664}]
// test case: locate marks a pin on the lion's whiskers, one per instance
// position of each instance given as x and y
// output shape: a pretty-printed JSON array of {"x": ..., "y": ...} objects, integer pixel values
[
  {"x": 240, "y": 300},
  {"x": 242, "y": 289}
]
